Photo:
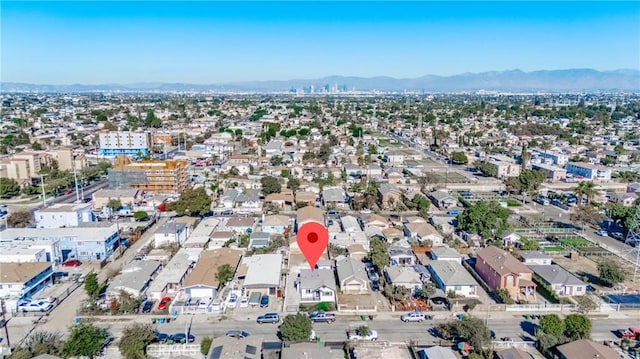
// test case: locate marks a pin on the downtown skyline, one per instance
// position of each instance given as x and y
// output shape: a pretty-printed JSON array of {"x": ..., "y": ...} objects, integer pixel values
[{"x": 223, "y": 42}]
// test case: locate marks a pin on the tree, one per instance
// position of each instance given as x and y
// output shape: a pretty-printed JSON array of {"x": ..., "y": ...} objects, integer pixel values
[
  {"x": 529, "y": 245},
  {"x": 140, "y": 215},
  {"x": 484, "y": 218},
  {"x": 505, "y": 296},
  {"x": 85, "y": 340},
  {"x": 134, "y": 341},
  {"x": 459, "y": 158},
  {"x": 39, "y": 343},
  {"x": 586, "y": 189},
  {"x": 276, "y": 161},
  {"x": 324, "y": 152},
  {"x": 234, "y": 171},
  {"x": 19, "y": 219},
  {"x": 8, "y": 187},
  {"x": 577, "y": 326},
  {"x": 586, "y": 214},
  {"x": 378, "y": 253},
  {"x": 270, "y": 185},
  {"x": 428, "y": 178},
  {"x": 192, "y": 202},
  {"x": 469, "y": 329},
  {"x": 114, "y": 204},
  {"x": 225, "y": 273},
  {"x": 92, "y": 286},
  {"x": 486, "y": 168},
  {"x": 205, "y": 345},
  {"x": 293, "y": 184},
  {"x": 551, "y": 324},
  {"x": 295, "y": 328},
  {"x": 610, "y": 273},
  {"x": 428, "y": 290},
  {"x": 396, "y": 292}
]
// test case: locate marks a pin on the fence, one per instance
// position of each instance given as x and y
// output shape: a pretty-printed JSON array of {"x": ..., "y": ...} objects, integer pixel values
[
  {"x": 356, "y": 309},
  {"x": 498, "y": 345},
  {"x": 169, "y": 350},
  {"x": 540, "y": 307}
]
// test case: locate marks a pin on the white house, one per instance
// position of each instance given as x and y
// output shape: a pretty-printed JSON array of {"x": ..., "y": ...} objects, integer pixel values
[
  {"x": 317, "y": 286},
  {"x": 275, "y": 223},
  {"x": 24, "y": 280},
  {"x": 446, "y": 254},
  {"x": 133, "y": 279},
  {"x": 170, "y": 233},
  {"x": 64, "y": 215},
  {"x": 403, "y": 276},
  {"x": 561, "y": 282},
  {"x": 535, "y": 257},
  {"x": 450, "y": 276}
]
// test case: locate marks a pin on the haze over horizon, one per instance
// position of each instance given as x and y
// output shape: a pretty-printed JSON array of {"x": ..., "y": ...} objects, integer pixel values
[{"x": 225, "y": 42}]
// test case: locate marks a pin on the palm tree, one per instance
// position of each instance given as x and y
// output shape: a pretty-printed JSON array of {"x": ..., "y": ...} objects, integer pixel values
[{"x": 586, "y": 189}]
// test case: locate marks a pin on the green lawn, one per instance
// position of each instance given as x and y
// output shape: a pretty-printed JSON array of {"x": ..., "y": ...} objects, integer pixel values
[
  {"x": 553, "y": 249},
  {"x": 576, "y": 242}
]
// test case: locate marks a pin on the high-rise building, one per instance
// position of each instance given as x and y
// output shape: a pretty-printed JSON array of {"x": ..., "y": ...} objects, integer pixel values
[
  {"x": 128, "y": 143},
  {"x": 152, "y": 176}
]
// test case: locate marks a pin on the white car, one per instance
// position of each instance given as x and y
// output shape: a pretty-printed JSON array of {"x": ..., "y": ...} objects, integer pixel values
[
  {"x": 35, "y": 306},
  {"x": 244, "y": 302},
  {"x": 233, "y": 301}
]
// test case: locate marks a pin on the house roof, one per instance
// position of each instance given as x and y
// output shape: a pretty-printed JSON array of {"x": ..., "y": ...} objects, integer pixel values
[
  {"x": 349, "y": 268},
  {"x": 396, "y": 251},
  {"x": 263, "y": 271},
  {"x": 586, "y": 349},
  {"x": 21, "y": 272},
  {"x": 307, "y": 214},
  {"x": 437, "y": 352},
  {"x": 554, "y": 274},
  {"x": 501, "y": 261},
  {"x": 310, "y": 351},
  {"x": 512, "y": 353},
  {"x": 206, "y": 269},
  {"x": 403, "y": 275},
  {"x": 422, "y": 229},
  {"x": 275, "y": 197},
  {"x": 170, "y": 228},
  {"x": 441, "y": 196},
  {"x": 333, "y": 194},
  {"x": 240, "y": 222},
  {"x": 135, "y": 276},
  {"x": 451, "y": 273},
  {"x": 445, "y": 252},
  {"x": 276, "y": 220},
  {"x": 317, "y": 279},
  {"x": 392, "y": 233},
  {"x": 376, "y": 219},
  {"x": 303, "y": 196},
  {"x": 224, "y": 347}
]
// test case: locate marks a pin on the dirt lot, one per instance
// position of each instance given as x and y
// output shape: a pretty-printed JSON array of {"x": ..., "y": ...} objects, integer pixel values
[
  {"x": 364, "y": 301},
  {"x": 588, "y": 267}
]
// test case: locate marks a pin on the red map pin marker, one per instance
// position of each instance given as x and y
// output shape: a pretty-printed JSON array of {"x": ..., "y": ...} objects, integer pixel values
[{"x": 313, "y": 239}]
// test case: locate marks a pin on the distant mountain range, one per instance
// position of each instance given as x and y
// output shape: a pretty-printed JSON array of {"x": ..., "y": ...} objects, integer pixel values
[{"x": 515, "y": 80}]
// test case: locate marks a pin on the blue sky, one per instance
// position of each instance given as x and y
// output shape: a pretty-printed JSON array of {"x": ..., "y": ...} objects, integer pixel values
[{"x": 216, "y": 42}]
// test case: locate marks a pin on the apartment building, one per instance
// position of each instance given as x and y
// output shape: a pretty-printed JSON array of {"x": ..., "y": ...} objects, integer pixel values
[
  {"x": 553, "y": 173},
  {"x": 150, "y": 176},
  {"x": 128, "y": 143},
  {"x": 587, "y": 171},
  {"x": 68, "y": 160}
]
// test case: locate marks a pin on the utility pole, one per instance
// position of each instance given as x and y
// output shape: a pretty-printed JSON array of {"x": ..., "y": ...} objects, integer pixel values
[
  {"x": 44, "y": 197},
  {"x": 75, "y": 180},
  {"x": 4, "y": 322}
]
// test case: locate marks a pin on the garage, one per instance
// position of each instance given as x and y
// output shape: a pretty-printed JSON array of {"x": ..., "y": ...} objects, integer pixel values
[{"x": 200, "y": 291}]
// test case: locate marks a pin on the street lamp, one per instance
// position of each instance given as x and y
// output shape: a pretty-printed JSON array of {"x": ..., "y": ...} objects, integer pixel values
[{"x": 44, "y": 196}]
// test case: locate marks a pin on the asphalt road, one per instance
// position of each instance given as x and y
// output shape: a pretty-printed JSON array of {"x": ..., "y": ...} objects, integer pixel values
[{"x": 392, "y": 329}]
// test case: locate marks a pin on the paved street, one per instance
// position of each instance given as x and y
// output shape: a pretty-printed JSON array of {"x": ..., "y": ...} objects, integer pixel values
[{"x": 389, "y": 328}]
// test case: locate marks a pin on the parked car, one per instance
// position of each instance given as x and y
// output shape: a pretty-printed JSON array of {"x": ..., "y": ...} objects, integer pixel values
[
  {"x": 203, "y": 303},
  {"x": 264, "y": 301},
  {"x": 414, "y": 317},
  {"x": 273, "y": 318},
  {"x": 617, "y": 235},
  {"x": 602, "y": 233},
  {"x": 164, "y": 303},
  {"x": 179, "y": 337},
  {"x": 233, "y": 301},
  {"x": 35, "y": 306},
  {"x": 322, "y": 317},
  {"x": 72, "y": 263},
  {"x": 375, "y": 286},
  {"x": 244, "y": 302},
  {"x": 236, "y": 333},
  {"x": 147, "y": 306},
  {"x": 629, "y": 333}
]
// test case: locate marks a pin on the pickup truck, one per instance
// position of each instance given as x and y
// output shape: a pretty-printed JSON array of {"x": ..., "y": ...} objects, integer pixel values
[
  {"x": 362, "y": 333},
  {"x": 630, "y": 333},
  {"x": 320, "y": 317}
]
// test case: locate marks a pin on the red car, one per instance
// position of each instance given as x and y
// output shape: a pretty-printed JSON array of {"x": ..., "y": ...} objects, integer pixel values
[
  {"x": 631, "y": 333},
  {"x": 164, "y": 302},
  {"x": 72, "y": 263}
]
